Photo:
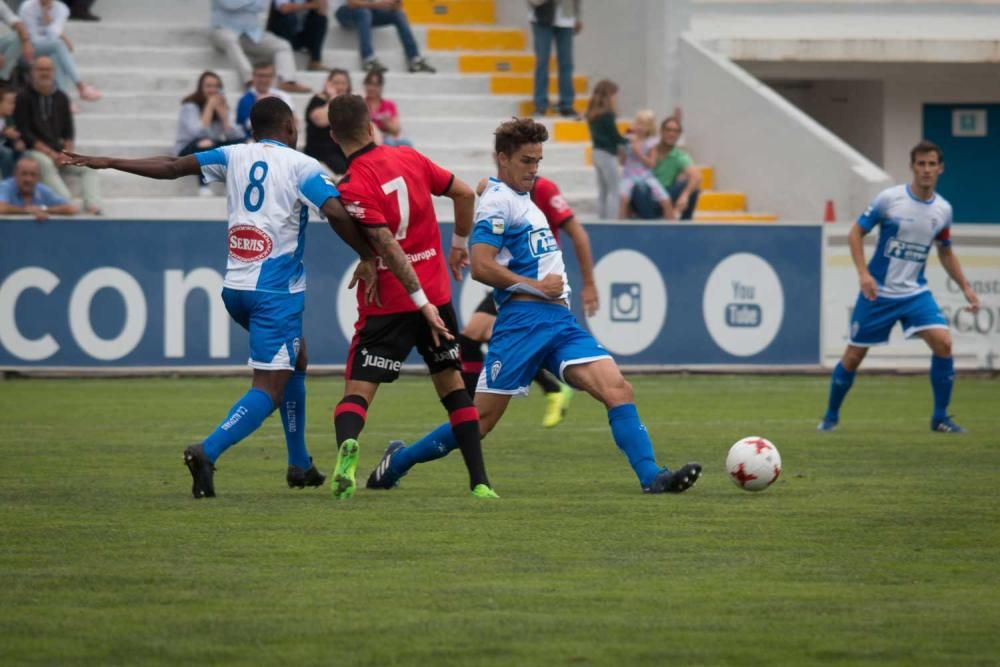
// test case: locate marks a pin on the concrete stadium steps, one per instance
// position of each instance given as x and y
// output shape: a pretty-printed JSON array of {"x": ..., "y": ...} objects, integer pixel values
[
  {"x": 181, "y": 30},
  {"x": 183, "y": 81},
  {"x": 204, "y": 57},
  {"x": 524, "y": 84},
  {"x": 448, "y": 155},
  {"x": 116, "y": 184},
  {"x": 410, "y": 105},
  {"x": 462, "y": 130}
]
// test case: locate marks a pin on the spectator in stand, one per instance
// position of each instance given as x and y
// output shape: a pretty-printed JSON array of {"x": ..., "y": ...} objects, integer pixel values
[
  {"x": 22, "y": 194},
  {"x": 303, "y": 24},
  {"x": 236, "y": 31},
  {"x": 319, "y": 143},
  {"x": 205, "y": 121},
  {"x": 79, "y": 10},
  {"x": 557, "y": 20},
  {"x": 638, "y": 164},
  {"x": 363, "y": 15},
  {"x": 45, "y": 20},
  {"x": 608, "y": 143},
  {"x": 383, "y": 112},
  {"x": 14, "y": 45},
  {"x": 42, "y": 116},
  {"x": 675, "y": 170},
  {"x": 11, "y": 144},
  {"x": 261, "y": 86}
]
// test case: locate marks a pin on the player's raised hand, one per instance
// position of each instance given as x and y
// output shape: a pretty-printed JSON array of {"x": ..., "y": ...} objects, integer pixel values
[
  {"x": 868, "y": 286},
  {"x": 367, "y": 274},
  {"x": 552, "y": 285},
  {"x": 439, "y": 329},
  {"x": 458, "y": 259}
]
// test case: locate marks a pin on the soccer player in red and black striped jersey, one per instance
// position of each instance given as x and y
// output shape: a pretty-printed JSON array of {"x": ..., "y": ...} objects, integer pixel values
[
  {"x": 479, "y": 329},
  {"x": 387, "y": 190}
]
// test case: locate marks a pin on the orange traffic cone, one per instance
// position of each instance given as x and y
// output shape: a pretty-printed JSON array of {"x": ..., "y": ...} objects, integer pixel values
[{"x": 828, "y": 214}]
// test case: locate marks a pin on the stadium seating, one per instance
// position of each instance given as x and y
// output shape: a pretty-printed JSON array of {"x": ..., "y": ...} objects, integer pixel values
[{"x": 146, "y": 55}]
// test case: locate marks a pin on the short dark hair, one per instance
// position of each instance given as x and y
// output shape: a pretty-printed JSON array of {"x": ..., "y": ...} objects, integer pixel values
[
  {"x": 517, "y": 132},
  {"x": 262, "y": 64},
  {"x": 6, "y": 89},
  {"x": 926, "y": 146},
  {"x": 348, "y": 116},
  {"x": 269, "y": 116}
]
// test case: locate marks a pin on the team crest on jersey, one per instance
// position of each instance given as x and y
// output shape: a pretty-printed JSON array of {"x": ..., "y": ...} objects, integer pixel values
[
  {"x": 542, "y": 242},
  {"x": 249, "y": 244},
  {"x": 495, "y": 370}
]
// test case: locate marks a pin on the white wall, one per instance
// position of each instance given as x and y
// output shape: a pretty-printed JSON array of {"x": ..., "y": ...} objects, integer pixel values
[
  {"x": 906, "y": 87},
  {"x": 787, "y": 162}
]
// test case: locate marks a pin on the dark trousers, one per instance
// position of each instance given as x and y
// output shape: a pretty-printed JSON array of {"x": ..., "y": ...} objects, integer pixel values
[{"x": 307, "y": 32}]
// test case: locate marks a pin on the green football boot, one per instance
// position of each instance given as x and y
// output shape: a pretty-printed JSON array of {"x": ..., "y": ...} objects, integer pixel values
[
  {"x": 343, "y": 475},
  {"x": 483, "y": 491}
]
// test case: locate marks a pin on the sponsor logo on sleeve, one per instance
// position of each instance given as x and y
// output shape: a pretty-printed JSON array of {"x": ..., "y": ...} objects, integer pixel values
[
  {"x": 249, "y": 244},
  {"x": 498, "y": 225}
]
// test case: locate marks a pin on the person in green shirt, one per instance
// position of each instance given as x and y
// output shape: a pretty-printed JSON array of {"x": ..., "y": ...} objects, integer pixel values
[{"x": 675, "y": 169}]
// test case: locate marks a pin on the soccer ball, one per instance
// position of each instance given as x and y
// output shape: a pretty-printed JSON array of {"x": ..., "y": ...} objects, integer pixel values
[{"x": 753, "y": 463}]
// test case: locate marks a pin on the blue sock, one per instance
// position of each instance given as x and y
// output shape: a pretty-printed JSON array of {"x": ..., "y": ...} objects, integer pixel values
[
  {"x": 840, "y": 384},
  {"x": 435, "y": 445},
  {"x": 244, "y": 418},
  {"x": 632, "y": 438},
  {"x": 942, "y": 380},
  {"x": 293, "y": 419}
]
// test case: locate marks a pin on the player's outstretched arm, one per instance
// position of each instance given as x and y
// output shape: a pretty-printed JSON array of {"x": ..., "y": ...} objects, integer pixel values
[
  {"x": 855, "y": 241},
  {"x": 464, "y": 200},
  {"x": 486, "y": 270},
  {"x": 581, "y": 246},
  {"x": 162, "y": 167},
  {"x": 385, "y": 244},
  {"x": 949, "y": 260}
]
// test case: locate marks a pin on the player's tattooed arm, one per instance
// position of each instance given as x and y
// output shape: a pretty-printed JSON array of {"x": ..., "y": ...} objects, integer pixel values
[
  {"x": 382, "y": 239},
  {"x": 163, "y": 167}
]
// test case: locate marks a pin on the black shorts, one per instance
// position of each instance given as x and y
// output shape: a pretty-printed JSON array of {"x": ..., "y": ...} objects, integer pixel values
[
  {"x": 488, "y": 306},
  {"x": 380, "y": 347}
]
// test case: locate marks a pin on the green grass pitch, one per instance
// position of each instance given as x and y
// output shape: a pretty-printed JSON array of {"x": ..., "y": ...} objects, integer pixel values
[{"x": 880, "y": 544}]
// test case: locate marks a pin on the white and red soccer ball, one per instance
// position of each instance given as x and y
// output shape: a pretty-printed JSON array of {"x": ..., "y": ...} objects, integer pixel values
[{"x": 753, "y": 463}]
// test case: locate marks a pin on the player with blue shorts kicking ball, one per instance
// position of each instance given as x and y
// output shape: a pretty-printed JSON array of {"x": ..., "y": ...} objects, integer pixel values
[
  {"x": 270, "y": 187},
  {"x": 514, "y": 251},
  {"x": 911, "y": 218}
]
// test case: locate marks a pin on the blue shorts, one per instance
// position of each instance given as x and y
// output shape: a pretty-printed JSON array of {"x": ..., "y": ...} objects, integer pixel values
[
  {"x": 274, "y": 322},
  {"x": 530, "y": 335},
  {"x": 872, "y": 321}
]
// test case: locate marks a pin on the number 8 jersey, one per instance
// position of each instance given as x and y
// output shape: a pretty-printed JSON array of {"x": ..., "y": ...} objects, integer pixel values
[
  {"x": 270, "y": 188},
  {"x": 392, "y": 187}
]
